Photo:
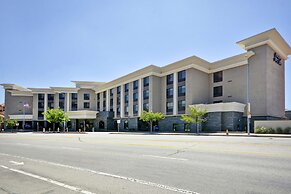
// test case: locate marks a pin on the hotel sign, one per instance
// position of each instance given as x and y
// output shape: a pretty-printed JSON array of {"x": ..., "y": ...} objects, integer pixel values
[{"x": 277, "y": 59}]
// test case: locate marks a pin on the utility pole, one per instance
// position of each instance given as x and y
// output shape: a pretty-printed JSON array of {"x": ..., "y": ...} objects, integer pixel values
[{"x": 248, "y": 102}]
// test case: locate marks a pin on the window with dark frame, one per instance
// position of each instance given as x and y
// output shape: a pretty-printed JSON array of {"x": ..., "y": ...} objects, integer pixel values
[
  {"x": 217, "y": 91},
  {"x": 170, "y": 79},
  {"x": 146, "y": 106},
  {"x": 135, "y": 96},
  {"x": 170, "y": 106},
  {"x": 181, "y": 76},
  {"x": 146, "y": 94},
  {"x": 118, "y": 89},
  {"x": 217, "y": 77},
  {"x": 170, "y": 92},
  {"x": 181, "y": 105},
  {"x": 86, "y": 96},
  {"x": 86, "y": 104},
  {"x": 135, "y": 84},
  {"x": 126, "y": 87},
  {"x": 181, "y": 90},
  {"x": 146, "y": 81}
]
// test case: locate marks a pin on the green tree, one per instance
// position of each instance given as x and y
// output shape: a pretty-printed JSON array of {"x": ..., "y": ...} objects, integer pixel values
[
  {"x": 1, "y": 120},
  {"x": 195, "y": 115},
  {"x": 10, "y": 123},
  {"x": 56, "y": 115},
  {"x": 151, "y": 117}
]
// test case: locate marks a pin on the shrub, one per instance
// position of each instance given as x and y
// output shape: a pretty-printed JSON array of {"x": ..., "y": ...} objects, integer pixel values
[
  {"x": 271, "y": 131},
  {"x": 287, "y": 130},
  {"x": 261, "y": 130},
  {"x": 279, "y": 130}
]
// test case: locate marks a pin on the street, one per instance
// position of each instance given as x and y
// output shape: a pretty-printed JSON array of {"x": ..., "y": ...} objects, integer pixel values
[{"x": 133, "y": 163}]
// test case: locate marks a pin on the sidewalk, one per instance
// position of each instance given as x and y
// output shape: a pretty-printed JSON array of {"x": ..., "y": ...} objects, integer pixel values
[{"x": 231, "y": 134}]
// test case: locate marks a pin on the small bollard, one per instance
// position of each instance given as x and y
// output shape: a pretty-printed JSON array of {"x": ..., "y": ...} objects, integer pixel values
[
  {"x": 226, "y": 131},
  {"x": 58, "y": 129},
  {"x": 79, "y": 130},
  {"x": 43, "y": 130}
]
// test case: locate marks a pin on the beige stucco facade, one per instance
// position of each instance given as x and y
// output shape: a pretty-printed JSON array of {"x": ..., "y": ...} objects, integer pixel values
[{"x": 255, "y": 68}]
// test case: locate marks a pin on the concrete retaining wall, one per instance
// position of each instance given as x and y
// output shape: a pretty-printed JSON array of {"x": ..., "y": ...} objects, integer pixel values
[{"x": 273, "y": 124}]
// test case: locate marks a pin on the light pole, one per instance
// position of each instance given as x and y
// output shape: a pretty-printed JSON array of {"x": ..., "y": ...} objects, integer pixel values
[
  {"x": 24, "y": 106},
  {"x": 248, "y": 102}
]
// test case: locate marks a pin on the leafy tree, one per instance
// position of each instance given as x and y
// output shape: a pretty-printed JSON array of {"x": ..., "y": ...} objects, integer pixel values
[
  {"x": 10, "y": 123},
  {"x": 195, "y": 115},
  {"x": 151, "y": 117},
  {"x": 56, "y": 115},
  {"x": 1, "y": 120}
]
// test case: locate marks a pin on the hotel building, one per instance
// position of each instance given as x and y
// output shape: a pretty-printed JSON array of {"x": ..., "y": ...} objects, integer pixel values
[{"x": 224, "y": 87}]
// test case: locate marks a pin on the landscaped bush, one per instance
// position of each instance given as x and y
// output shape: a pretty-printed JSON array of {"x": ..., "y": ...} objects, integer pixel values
[
  {"x": 287, "y": 130},
  {"x": 278, "y": 130},
  {"x": 261, "y": 130}
]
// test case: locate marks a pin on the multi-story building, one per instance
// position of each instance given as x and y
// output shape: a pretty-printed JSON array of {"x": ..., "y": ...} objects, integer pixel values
[{"x": 224, "y": 87}]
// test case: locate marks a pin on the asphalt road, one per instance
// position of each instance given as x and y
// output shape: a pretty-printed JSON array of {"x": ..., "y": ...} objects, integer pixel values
[{"x": 118, "y": 163}]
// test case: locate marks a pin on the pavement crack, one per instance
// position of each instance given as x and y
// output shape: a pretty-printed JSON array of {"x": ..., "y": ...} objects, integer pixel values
[
  {"x": 6, "y": 191},
  {"x": 79, "y": 138},
  {"x": 181, "y": 150}
]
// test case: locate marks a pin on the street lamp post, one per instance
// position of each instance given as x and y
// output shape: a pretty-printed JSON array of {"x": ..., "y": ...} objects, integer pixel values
[{"x": 24, "y": 106}]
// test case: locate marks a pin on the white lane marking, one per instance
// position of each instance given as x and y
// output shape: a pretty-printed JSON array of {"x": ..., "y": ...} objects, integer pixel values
[
  {"x": 109, "y": 175},
  {"x": 43, "y": 146},
  {"x": 164, "y": 157},
  {"x": 48, "y": 180},
  {"x": 16, "y": 163},
  {"x": 70, "y": 148}
]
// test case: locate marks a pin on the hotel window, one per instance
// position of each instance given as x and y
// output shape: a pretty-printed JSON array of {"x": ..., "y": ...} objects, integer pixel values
[
  {"x": 181, "y": 90},
  {"x": 50, "y": 97},
  {"x": 104, "y": 95},
  {"x": 86, "y": 104},
  {"x": 118, "y": 100},
  {"x": 181, "y": 76},
  {"x": 62, "y": 105},
  {"x": 74, "y": 96},
  {"x": 74, "y": 106},
  {"x": 86, "y": 96},
  {"x": 170, "y": 92},
  {"x": 126, "y": 87},
  {"x": 135, "y": 109},
  {"x": 98, "y": 106},
  {"x": 146, "y": 106},
  {"x": 111, "y": 102},
  {"x": 40, "y": 115},
  {"x": 135, "y": 84},
  {"x": 181, "y": 105},
  {"x": 146, "y": 94},
  {"x": 170, "y": 106},
  {"x": 170, "y": 79},
  {"x": 126, "y": 98},
  {"x": 118, "y": 89},
  {"x": 104, "y": 105},
  {"x": 135, "y": 96},
  {"x": 146, "y": 81},
  {"x": 217, "y": 77},
  {"x": 126, "y": 110},
  {"x": 111, "y": 92},
  {"x": 40, "y": 105},
  {"x": 118, "y": 111},
  {"x": 98, "y": 96},
  {"x": 217, "y": 91},
  {"x": 50, "y": 103},
  {"x": 40, "y": 96},
  {"x": 62, "y": 96}
]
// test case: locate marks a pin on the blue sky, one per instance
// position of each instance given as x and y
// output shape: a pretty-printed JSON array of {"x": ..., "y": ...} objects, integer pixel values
[{"x": 49, "y": 43}]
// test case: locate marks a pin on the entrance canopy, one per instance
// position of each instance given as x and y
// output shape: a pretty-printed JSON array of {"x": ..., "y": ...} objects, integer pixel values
[
  {"x": 223, "y": 107},
  {"x": 82, "y": 114}
]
